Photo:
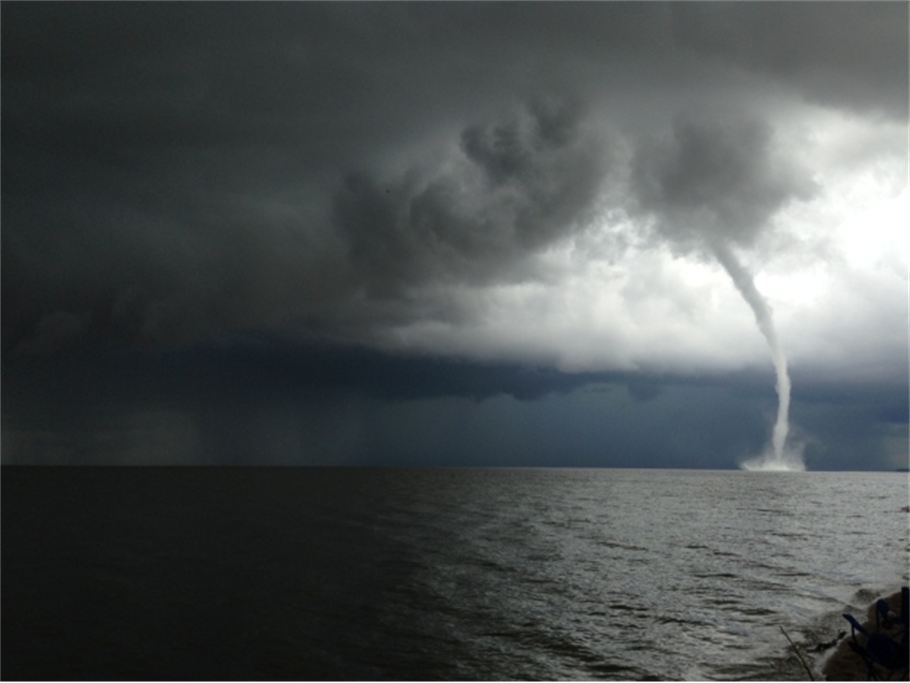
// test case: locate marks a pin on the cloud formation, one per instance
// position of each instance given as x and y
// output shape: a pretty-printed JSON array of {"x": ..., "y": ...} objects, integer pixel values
[
  {"x": 715, "y": 182},
  {"x": 434, "y": 178},
  {"x": 511, "y": 189}
]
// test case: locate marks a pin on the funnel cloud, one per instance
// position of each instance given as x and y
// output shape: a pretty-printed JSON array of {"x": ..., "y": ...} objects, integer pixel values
[{"x": 778, "y": 458}]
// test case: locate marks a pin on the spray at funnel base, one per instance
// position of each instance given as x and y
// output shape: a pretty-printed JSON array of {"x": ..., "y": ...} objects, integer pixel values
[{"x": 778, "y": 458}]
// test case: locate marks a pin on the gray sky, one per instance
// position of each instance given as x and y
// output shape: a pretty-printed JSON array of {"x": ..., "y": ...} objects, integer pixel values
[{"x": 457, "y": 190}]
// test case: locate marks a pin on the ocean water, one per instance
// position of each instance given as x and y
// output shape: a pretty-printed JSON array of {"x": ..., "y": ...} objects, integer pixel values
[{"x": 468, "y": 574}]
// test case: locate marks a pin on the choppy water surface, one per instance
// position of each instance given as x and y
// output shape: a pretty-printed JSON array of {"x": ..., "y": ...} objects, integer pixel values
[{"x": 437, "y": 573}]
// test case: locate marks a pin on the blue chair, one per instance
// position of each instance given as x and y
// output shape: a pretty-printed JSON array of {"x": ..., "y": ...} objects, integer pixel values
[
  {"x": 887, "y": 620},
  {"x": 904, "y": 618},
  {"x": 884, "y": 656}
]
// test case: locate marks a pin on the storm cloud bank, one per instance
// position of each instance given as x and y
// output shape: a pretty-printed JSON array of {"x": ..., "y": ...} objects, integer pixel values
[{"x": 177, "y": 172}]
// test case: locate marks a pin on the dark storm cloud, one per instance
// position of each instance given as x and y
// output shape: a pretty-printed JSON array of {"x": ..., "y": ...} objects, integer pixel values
[
  {"x": 159, "y": 191},
  {"x": 521, "y": 184},
  {"x": 172, "y": 171}
]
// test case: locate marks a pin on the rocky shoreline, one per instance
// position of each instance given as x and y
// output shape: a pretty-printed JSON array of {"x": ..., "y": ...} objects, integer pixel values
[{"x": 846, "y": 665}]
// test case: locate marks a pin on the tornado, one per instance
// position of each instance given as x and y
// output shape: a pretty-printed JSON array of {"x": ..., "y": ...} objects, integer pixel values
[{"x": 778, "y": 458}]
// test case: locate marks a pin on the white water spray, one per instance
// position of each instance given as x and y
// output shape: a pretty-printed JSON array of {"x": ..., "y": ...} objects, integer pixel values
[{"x": 778, "y": 458}]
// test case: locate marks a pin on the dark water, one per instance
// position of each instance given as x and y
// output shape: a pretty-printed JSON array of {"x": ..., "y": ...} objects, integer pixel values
[{"x": 294, "y": 573}]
